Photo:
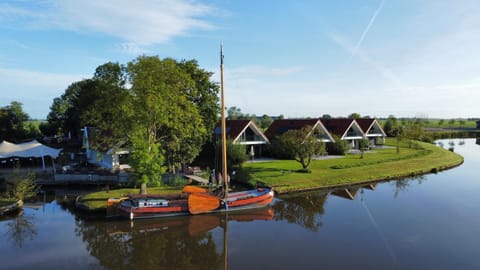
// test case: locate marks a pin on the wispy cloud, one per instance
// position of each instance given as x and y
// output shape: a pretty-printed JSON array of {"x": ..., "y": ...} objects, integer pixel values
[
  {"x": 137, "y": 23},
  {"x": 365, "y": 58},
  {"x": 365, "y": 31}
]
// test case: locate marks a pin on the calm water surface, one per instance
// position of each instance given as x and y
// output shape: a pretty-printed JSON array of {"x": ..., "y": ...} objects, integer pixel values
[{"x": 430, "y": 222}]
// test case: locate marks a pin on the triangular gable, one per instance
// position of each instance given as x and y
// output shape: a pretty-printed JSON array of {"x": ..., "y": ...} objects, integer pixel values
[
  {"x": 354, "y": 131},
  {"x": 238, "y": 129},
  {"x": 343, "y": 128},
  {"x": 371, "y": 127},
  {"x": 327, "y": 137},
  {"x": 252, "y": 128}
]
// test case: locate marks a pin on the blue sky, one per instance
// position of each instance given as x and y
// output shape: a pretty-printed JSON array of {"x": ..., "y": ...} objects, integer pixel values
[{"x": 409, "y": 58}]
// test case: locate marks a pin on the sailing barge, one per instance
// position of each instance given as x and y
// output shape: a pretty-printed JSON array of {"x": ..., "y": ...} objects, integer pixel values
[{"x": 164, "y": 205}]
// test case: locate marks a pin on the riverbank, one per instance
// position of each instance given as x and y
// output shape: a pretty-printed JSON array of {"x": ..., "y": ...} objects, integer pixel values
[
  {"x": 9, "y": 206},
  {"x": 376, "y": 165}
]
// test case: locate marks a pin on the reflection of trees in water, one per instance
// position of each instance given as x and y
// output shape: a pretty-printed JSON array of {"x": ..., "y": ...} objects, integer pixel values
[
  {"x": 402, "y": 185},
  {"x": 21, "y": 228},
  {"x": 303, "y": 209},
  {"x": 149, "y": 245}
]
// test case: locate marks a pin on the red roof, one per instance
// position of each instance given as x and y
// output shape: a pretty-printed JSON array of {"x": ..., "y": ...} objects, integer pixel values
[
  {"x": 235, "y": 127},
  {"x": 338, "y": 126},
  {"x": 365, "y": 123},
  {"x": 278, "y": 127}
]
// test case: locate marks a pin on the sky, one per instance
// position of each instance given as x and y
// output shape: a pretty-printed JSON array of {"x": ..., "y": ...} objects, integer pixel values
[{"x": 407, "y": 58}]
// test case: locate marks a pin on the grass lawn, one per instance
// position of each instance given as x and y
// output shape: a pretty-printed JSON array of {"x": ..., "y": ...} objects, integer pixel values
[
  {"x": 378, "y": 164},
  {"x": 98, "y": 200}
]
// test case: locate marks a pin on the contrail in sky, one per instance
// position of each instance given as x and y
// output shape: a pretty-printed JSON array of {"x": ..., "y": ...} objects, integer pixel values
[{"x": 368, "y": 27}]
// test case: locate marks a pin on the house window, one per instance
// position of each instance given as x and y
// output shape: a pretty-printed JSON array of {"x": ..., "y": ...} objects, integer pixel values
[{"x": 249, "y": 136}]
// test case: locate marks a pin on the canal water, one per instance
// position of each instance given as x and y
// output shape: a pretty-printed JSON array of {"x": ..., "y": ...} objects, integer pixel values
[{"x": 428, "y": 222}]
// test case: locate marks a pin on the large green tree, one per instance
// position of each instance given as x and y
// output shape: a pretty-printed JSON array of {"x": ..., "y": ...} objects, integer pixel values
[
  {"x": 108, "y": 111},
  {"x": 163, "y": 114},
  {"x": 204, "y": 94},
  {"x": 66, "y": 111}
]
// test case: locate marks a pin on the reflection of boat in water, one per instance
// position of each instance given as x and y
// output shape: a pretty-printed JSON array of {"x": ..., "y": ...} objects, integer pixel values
[
  {"x": 199, "y": 201},
  {"x": 195, "y": 224}
]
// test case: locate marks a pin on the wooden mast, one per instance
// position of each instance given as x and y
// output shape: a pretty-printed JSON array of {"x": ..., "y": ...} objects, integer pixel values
[
  {"x": 224, "y": 136},
  {"x": 224, "y": 162}
]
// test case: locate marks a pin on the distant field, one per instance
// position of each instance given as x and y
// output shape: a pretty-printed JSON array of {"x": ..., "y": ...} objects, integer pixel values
[
  {"x": 443, "y": 123},
  {"x": 35, "y": 123}
]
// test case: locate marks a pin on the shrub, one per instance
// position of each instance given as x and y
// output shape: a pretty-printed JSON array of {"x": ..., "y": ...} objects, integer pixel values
[{"x": 339, "y": 147}]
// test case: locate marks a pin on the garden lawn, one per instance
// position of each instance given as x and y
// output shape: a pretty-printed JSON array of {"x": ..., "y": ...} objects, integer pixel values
[
  {"x": 378, "y": 164},
  {"x": 97, "y": 201}
]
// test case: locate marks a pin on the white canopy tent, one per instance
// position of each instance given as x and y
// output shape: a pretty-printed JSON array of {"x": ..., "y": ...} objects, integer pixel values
[{"x": 28, "y": 149}]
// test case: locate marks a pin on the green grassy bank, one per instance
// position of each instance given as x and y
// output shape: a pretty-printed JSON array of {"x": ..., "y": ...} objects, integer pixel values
[{"x": 379, "y": 164}]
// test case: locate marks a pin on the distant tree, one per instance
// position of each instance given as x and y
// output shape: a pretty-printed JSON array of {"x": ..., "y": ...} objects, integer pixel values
[
  {"x": 413, "y": 131},
  {"x": 302, "y": 145},
  {"x": 265, "y": 121},
  {"x": 354, "y": 116},
  {"x": 441, "y": 122},
  {"x": 326, "y": 116},
  {"x": 66, "y": 111},
  {"x": 281, "y": 117},
  {"x": 451, "y": 122},
  {"x": 32, "y": 130},
  {"x": 236, "y": 155},
  {"x": 390, "y": 126},
  {"x": 462, "y": 122},
  {"x": 12, "y": 122},
  {"x": 234, "y": 113}
]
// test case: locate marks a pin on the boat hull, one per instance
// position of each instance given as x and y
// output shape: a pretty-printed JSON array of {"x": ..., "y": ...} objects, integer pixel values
[{"x": 136, "y": 207}]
